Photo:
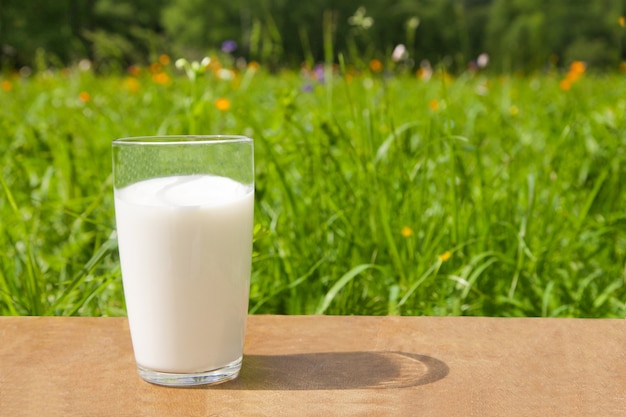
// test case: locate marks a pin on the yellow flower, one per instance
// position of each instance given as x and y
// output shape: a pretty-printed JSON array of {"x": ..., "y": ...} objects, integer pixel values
[
  {"x": 621, "y": 21},
  {"x": 84, "y": 96},
  {"x": 6, "y": 85},
  {"x": 407, "y": 231},
  {"x": 514, "y": 110},
  {"x": 253, "y": 66},
  {"x": 376, "y": 65},
  {"x": 222, "y": 104},
  {"x": 132, "y": 84},
  {"x": 433, "y": 104},
  {"x": 445, "y": 256}
]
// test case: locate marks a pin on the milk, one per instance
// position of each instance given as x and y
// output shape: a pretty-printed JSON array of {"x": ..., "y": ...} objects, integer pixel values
[{"x": 185, "y": 250}]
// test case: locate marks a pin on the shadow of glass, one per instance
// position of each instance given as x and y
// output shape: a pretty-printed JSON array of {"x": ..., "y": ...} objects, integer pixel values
[{"x": 336, "y": 371}]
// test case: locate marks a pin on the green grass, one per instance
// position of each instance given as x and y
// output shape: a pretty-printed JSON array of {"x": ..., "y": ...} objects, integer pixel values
[{"x": 475, "y": 195}]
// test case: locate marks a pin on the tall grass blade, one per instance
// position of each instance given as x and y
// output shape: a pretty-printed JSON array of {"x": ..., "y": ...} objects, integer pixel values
[
  {"x": 291, "y": 285},
  {"x": 383, "y": 149},
  {"x": 429, "y": 272},
  {"x": 341, "y": 282},
  {"x": 105, "y": 249}
]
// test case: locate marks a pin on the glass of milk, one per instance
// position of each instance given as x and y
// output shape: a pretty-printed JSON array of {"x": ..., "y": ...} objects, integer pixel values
[{"x": 184, "y": 212}]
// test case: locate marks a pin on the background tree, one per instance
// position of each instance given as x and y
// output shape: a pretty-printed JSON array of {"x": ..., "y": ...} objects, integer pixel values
[
  {"x": 524, "y": 35},
  {"x": 26, "y": 27},
  {"x": 198, "y": 25}
]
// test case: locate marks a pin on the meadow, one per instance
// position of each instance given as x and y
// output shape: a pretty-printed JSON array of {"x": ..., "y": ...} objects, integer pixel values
[{"x": 378, "y": 191}]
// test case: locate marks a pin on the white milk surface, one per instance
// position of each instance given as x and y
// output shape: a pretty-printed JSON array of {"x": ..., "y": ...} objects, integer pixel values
[{"x": 185, "y": 249}]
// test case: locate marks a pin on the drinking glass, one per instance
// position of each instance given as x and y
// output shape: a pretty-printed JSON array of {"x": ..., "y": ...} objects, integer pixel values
[{"x": 184, "y": 212}]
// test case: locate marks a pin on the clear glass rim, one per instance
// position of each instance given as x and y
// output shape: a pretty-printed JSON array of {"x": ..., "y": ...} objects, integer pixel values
[{"x": 181, "y": 139}]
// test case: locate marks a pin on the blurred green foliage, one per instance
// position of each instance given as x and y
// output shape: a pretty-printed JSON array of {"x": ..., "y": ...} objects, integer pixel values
[{"x": 524, "y": 35}]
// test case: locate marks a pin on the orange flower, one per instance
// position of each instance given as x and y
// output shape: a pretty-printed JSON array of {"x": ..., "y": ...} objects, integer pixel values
[
  {"x": 134, "y": 70},
  {"x": 572, "y": 76},
  {"x": 445, "y": 256},
  {"x": 164, "y": 59},
  {"x": 406, "y": 231},
  {"x": 6, "y": 85},
  {"x": 222, "y": 104},
  {"x": 433, "y": 104},
  {"x": 577, "y": 67},
  {"x": 214, "y": 64},
  {"x": 162, "y": 78},
  {"x": 576, "y": 70},
  {"x": 155, "y": 68},
  {"x": 376, "y": 65},
  {"x": 84, "y": 96}
]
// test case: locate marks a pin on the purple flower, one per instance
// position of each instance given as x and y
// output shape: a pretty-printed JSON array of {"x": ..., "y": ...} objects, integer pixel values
[
  {"x": 307, "y": 88},
  {"x": 229, "y": 46},
  {"x": 319, "y": 72}
]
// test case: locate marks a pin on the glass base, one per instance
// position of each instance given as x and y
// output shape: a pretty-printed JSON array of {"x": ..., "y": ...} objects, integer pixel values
[{"x": 215, "y": 376}]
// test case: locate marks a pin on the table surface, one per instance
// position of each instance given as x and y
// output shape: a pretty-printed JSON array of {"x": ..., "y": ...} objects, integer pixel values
[{"x": 329, "y": 366}]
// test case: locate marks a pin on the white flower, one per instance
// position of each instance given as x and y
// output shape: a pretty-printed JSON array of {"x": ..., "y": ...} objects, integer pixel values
[
  {"x": 193, "y": 68},
  {"x": 482, "y": 60},
  {"x": 84, "y": 65},
  {"x": 225, "y": 74},
  {"x": 360, "y": 20},
  {"x": 180, "y": 63},
  {"x": 399, "y": 53}
]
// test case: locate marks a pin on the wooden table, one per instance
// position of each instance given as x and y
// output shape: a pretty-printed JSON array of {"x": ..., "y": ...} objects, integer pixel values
[{"x": 329, "y": 366}]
